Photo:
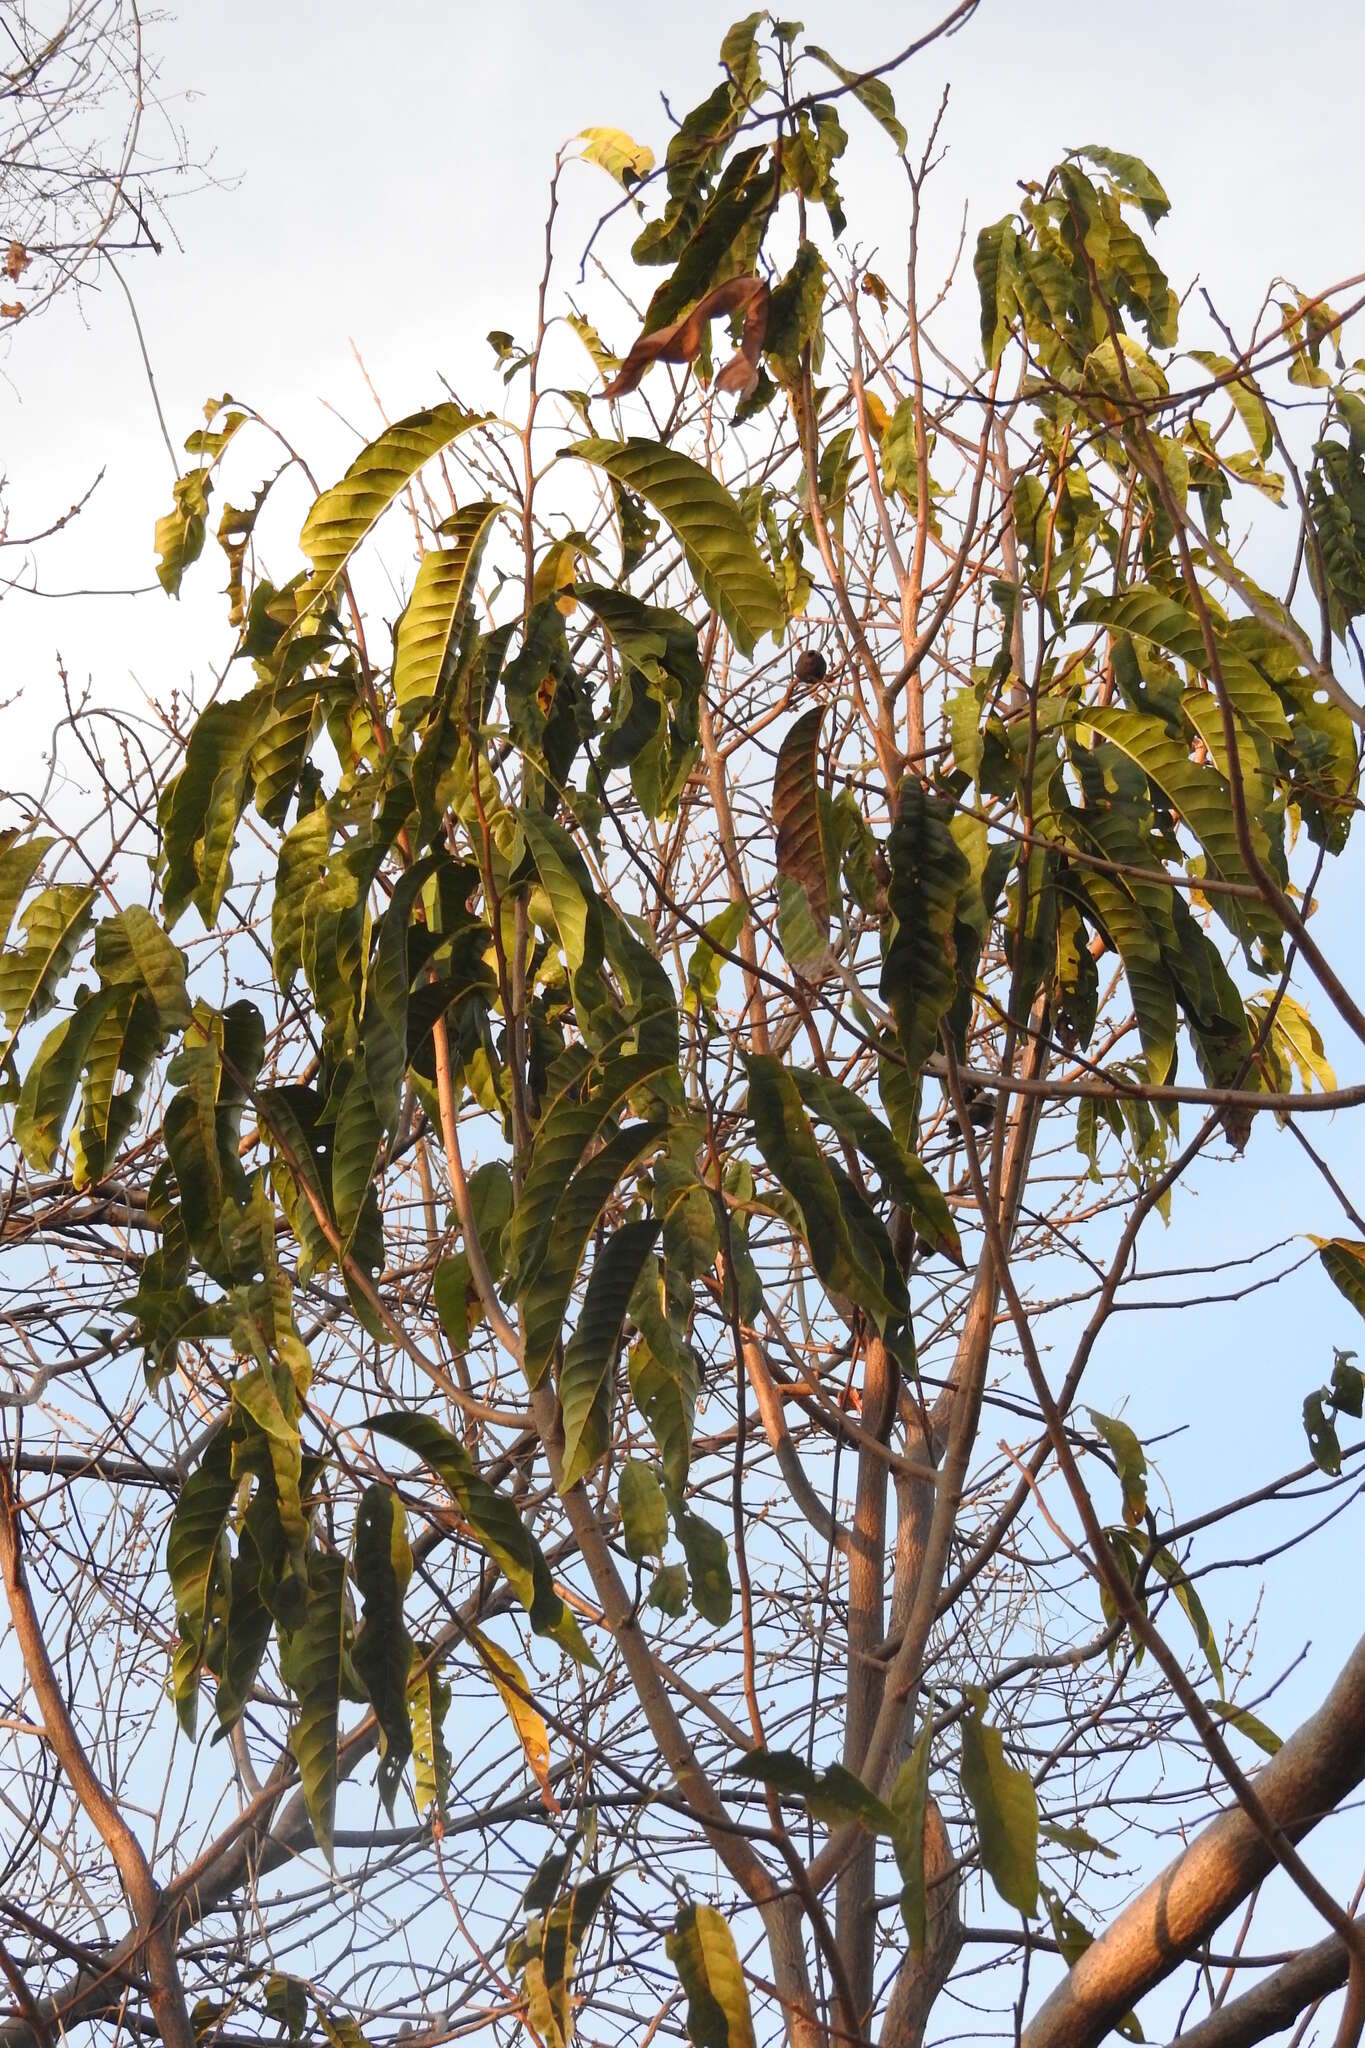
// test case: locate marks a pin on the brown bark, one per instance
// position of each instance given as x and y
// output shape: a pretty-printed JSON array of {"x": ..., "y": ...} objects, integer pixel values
[
  {"x": 1276, "y": 2002},
  {"x": 164, "y": 1990},
  {"x": 1320, "y": 1764}
]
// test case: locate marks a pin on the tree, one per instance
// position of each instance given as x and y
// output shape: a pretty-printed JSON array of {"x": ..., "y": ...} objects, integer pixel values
[
  {"x": 89, "y": 155},
  {"x": 516, "y": 1298}
]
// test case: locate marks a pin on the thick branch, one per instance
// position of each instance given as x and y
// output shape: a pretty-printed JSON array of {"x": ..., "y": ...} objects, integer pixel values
[
  {"x": 1320, "y": 1764},
  {"x": 164, "y": 1988}
]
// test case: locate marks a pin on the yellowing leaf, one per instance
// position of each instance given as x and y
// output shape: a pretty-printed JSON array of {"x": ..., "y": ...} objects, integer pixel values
[
  {"x": 617, "y": 153},
  {"x": 515, "y": 1693}
]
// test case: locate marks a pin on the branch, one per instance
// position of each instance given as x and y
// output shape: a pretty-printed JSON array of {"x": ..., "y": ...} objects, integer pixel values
[
  {"x": 1319, "y": 1765},
  {"x": 164, "y": 1988},
  {"x": 1276, "y": 2001}
]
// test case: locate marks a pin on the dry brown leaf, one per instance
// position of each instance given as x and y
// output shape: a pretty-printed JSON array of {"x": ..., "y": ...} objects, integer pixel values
[
  {"x": 681, "y": 342},
  {"x": 17, "y": 261}
]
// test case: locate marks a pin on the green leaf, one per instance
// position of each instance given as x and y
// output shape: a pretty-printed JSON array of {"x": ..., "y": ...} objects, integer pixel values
[
  {"x": 587, "y": 1377},
  {"x": 1246, "y": 1723},
  {"x": 357, "y": 1148},
  {"x": 311, "y": 1663},
  {"x": 909, "y": 1805},
  {"x": 928, "y": 870},
  {"x": 1132, "y": 177},
  {"x": 199, "y": 811},
  {"x": 302, "y": 862},
  {"x": 125, "y": 1042},
  {"x": 342, "y": 516},
  {"x": 904, "y": 1177},
  {"x": 545, "y": 1298},
  {"x": 20, "y": 859},
  {"x": 827, "y": 1204},
  {"x": 383, "y": 1648},
  {"x": 179, "y": 533},
  {"x": 872, "y": 93},
  {"x": 702, "y": 1950},
  {"x": 131, "y": 949},
  {"x": 1152, "y": 616},
  {"x": 1167, "y": 1567},
  {"x": 668, "y": 1591},
  {"x": 196, "y": 1564},
  {"x": 384, "y": 1022},
  {"x": 833, "y": 1795},
  {"x": 993, "y": 264},
  {"x": 1131, "y": 1460},
  {"x": 1006, "y": 1808},
  {"x": 53, "y": 923},
  {"x": 574, "y": 900},
  {"x": 708, "y": 1568},
  {"x": 708, "y": 524},
  {"x": 1251, "y": 407},
  {"x": 494, "y": 1520},
  {"x": 44, "y": 1105},
  {"x": 566, "y": 1130},
  {"x": 719, "y": 935},
  {"x": 644, "y": 1511},
  {"x": 797, "y": 821},
  {"x": 433, "y": 616},
  {"x": 664, "y": 1377}
]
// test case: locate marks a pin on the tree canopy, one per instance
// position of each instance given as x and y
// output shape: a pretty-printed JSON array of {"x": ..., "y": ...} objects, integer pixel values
[{"x": 580, "y": 1126}]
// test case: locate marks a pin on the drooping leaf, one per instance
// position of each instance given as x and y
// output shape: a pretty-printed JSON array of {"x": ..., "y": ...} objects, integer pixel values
[
  {"x": 708, "y": 1567},
  {"x": 515, "y": 1694},
  {"x": 494, "y": 1521},
  {"x": 1005, "y": 1805},
  {"x": 1343, "y": 1261},
  {"x": 644, "y": 1511},
  {"x": 42, "y": 1112},
  {"x": 903, "y": 1175},
  {"x": 587, "y": 1377},
  {"x": 664, "y": 1376},
  {"x": 311, "y": 1662},
  {"x": 702, "y": 1950},
  {"x": 872, "y": 93},
  {"x": 832, "y": 1795},
  {"x": 928, "y": 870},
  {"x": 797, "y": 821},
  {"x": 53, "y": 923},
  {"x": 827, "y": 1205},
  {"x": 195, "y": 1563},
  {"x": 909, "y": 1805},
  {"x": 430, "y": 625},
  {"x": 719, "y": 935},
  {"x": 383, "y": 1647},
  {"x": 1168, "y": 1567},
  {"x": 1131, "y": 1460},
  {"x": 546, "y": 1297},
  {"x": 428, "y": 1705}
]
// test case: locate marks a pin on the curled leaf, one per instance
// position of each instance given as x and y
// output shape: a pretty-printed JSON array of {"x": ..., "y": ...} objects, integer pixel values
[{"x": 680, "y": 342}]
